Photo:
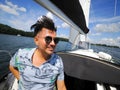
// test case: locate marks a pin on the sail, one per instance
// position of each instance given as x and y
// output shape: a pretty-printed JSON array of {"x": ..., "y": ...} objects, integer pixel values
[
  {"x": 86, "y": 9},
  {"x": 76, "y": 36}
]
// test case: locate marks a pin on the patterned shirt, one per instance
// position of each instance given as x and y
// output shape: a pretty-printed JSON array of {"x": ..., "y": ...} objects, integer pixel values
[{"x": 37, "y": 78}]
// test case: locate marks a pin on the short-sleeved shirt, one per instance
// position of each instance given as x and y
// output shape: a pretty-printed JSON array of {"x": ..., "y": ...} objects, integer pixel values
[{"x": 37, "y": 78}]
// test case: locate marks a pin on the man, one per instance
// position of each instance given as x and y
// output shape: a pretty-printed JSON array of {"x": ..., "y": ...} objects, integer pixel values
[{"x": 39, "y": 68}]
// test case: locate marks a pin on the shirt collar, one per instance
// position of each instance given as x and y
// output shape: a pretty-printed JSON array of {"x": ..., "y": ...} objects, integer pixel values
[
  {"x": 52, "y": 59},
  {"x": 30, "y": 53}
]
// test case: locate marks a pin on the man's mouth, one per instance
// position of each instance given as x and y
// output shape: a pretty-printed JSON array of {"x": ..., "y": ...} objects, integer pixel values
[{"x": 51, "y": 48}]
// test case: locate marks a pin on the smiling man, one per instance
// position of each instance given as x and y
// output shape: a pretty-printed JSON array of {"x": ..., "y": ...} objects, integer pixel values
[{"x": 39, "y": 68}]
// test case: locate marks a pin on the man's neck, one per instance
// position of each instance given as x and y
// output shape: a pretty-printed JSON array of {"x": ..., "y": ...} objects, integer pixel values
[{"x": 39, "y": 58}]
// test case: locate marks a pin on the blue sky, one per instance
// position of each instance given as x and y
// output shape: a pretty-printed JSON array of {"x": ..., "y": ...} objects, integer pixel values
[{"x": 104, "y": 23}]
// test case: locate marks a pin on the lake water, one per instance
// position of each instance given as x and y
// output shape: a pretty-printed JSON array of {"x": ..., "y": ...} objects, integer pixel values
[{"x": 10, "y": 43}]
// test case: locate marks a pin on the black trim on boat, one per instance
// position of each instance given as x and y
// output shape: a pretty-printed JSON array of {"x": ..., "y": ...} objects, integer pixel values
[{"x": 92, "y": 69}]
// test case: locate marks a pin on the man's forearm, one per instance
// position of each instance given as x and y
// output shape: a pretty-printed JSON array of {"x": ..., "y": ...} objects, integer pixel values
[
  {"x": 61, "y": 85},
  {"x": 14, "y": 71}
]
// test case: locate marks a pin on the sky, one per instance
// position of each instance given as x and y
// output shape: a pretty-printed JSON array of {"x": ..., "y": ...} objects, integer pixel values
[{"x": 104, "y": 19}]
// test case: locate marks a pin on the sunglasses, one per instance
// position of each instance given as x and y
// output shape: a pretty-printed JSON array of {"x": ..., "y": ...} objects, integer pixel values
[{"x": 49, "y": 39}]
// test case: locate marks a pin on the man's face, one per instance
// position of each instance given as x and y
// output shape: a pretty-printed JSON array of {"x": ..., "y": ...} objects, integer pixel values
[{"x": 44, "y": 42}]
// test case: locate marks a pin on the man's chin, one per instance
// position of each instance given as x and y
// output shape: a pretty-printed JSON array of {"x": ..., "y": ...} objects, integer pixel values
[{"x": 50, "y": 52}]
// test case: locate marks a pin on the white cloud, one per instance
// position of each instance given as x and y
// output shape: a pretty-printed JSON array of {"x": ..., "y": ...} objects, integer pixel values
[
  {"x": 58, "y": 26},
  {"x": 63, "y": 35},
  {"x": 105, "y": 20},
  {"x": 65, "y": 25},
  {"x": 15, "y": 7},
  {"x": 109, "y": 41},
  {"x": 112, "y": 27},
  {"x": 18, "y": 24},
  {"x": 22, "y": 22},
  {"x": 11, "y": 8},
  {"x": 95, "y": 34},
  {"x": 8, "y": 9},
  {"x": 50, "y": 15},
  {"x": 22, "y": 9}
]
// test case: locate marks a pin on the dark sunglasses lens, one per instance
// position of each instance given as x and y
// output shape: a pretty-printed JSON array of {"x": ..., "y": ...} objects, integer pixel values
[
  {"x": 48, "y": 39},
  {"x": 56, "y": 40}
]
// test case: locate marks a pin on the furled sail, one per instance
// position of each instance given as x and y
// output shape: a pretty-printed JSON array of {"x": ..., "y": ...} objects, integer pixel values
[{"x": 76, "y": 36}]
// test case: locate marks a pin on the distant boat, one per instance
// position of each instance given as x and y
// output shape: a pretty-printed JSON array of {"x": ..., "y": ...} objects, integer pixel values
[{"x": 18, "y": 35}]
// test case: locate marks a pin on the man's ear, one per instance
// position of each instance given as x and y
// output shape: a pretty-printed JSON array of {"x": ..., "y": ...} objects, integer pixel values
[{"x": 36, "y": 40}]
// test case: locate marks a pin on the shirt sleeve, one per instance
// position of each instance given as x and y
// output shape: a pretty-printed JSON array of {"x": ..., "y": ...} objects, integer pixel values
[
  {"x": 14, "y": 59},
  {"x": 61, "y": 74}
]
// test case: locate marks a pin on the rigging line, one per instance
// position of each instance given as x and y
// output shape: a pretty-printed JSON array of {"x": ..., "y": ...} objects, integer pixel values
[{"x": 115, "y": 8}]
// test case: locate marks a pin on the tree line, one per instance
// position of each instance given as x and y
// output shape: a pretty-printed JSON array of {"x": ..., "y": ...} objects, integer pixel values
[{"x": 5, "y": 29}]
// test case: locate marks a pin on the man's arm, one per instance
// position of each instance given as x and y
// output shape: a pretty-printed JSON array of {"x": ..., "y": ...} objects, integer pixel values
[
  {"x": 14, "y": 71},
  {"x": 61, "y": 85}
]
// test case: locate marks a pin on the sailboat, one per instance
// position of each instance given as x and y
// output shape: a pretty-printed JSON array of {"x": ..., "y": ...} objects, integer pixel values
[{"x": 83, "y": 67}]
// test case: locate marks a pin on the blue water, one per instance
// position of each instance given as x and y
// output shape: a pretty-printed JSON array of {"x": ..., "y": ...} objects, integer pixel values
[
  {"x": 12, "y": 43},
  {"x": 114, "y": 52}
]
